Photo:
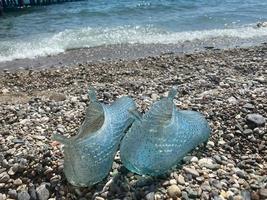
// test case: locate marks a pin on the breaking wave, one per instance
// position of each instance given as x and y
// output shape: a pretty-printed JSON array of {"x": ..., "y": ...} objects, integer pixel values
[{"x": 44, "y": 45}]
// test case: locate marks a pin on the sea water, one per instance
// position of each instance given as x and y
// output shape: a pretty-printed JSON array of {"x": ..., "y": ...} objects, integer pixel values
[{"x": 47, "y": 30}]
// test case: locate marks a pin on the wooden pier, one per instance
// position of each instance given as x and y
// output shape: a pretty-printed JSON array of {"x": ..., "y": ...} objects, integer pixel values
[{"x": 16, "y": 4}]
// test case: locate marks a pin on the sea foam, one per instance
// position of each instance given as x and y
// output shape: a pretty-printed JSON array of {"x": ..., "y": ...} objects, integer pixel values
[{"x": 44, "y": 45}]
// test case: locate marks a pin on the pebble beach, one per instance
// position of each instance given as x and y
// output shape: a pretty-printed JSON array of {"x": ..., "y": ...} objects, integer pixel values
[{"x": 229, "y": 87}]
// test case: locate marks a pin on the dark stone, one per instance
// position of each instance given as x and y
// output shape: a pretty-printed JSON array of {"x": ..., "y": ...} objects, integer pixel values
[
  {"x": 32, "y": 193},
  {"x": 18, "y": 141},
  {"x": 241, "y": 174},
  {"x": 246, "y": 195},
  {"x": 192, "y": 194},
  {"x": 4, "y": 177},
  {"x": 255, "y": 119},
  {"x": 216, "y": 184}
]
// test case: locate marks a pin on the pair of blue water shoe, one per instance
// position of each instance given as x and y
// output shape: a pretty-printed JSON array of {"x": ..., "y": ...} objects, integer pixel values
[{"x": 149, "y": 145}]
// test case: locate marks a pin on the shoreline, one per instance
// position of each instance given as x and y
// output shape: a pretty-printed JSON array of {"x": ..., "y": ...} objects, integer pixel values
[
  {"x": 72, "y": 57},
  {"x": 227, "y": 86}
]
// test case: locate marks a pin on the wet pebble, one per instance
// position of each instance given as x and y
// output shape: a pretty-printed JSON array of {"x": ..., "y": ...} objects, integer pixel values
[
  {"x": 150, "y": 196},
  {"x": 191, "y": 171},
  {"x": 174, "y": 191}
]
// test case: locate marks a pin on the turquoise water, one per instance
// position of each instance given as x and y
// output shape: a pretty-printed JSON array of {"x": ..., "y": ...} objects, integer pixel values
[{"x": 53, "y": 29}]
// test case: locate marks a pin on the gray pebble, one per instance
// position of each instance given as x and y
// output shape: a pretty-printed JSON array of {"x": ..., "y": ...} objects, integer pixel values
[
  {"x": 192, "y": 194},
  {"x": 246, "y": 195},
  {"x": 191, "y": 171},
  {"x": 241, "y": 174},
  {"x": 150, "y": 196},
  {"x": 256, "y": 119},
  {"x": 185, "y": 195},
  {"x": 4, "y": 177},
  {"x": 216, "y": 183},
  {"x": 23, "y": 196},
  {"x": 249, "y": 106},
  {"x": 42, "y": 192},
  {"x": 32, "y": 192},
  {"x": 13, "y": 194}
]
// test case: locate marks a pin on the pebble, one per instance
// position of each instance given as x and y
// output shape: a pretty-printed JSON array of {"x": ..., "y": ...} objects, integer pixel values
[
  {"x": 32, "y": 192},
  {"x": 13, "y": 194},
  {"x": 249, "y": 106},
  {"x": 185, "y": 196},
  {"x": 263, "y": 193},
  {"x": 194, "y": 159},
  {"x": 17, "y": 182},
  {"x": 200, "y": 179},
  {"x": 216, "y": 183},
  {"x": 99, "y": 198},
  {"x": 154, "y": 97},
  {"x": 255, "y": 196},
  {"x": 150, "y": 196},
  {"x": 107, "y": 95},
  {"x": 2, "y": 196},
  {"x": 245, "y": 195},
  {"x": 4, "y": 177},
  {"x": 204, "y": 161},
  {"x": 174, "y": 191},
  {"x": 232, "y": 100},
  {"x": 247, "y": 131},
  {"x": 5, "y": 91},
  {"x": 210, "y": 143},
  {"x": 57, "y": 97},
  {"x": 192, "y": 194},
  {"x": 205, "y": 196},
  {"x": 238, "y": 197},
  {"x": 208, "y": 163},
  {"x": 256, "y": 119},
  {"x": 23, "y": 195},
  {"x": 241, "y": 174},
  {"x": 261, "y": 79},
  {"x": 180, "y": 179},
  {"x": 173, "y": 182},
  {"x": 42, "y": 192},
  {"x": 191, "y": 171}
]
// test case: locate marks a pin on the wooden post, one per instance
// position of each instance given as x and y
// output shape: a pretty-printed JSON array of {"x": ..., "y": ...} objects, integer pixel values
[
  {"x": 14, "y": 4},
  {"x": 1, "y": 7},
  {"x": 4, "y": 4},
  {"x": 21, "y": 3}
]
